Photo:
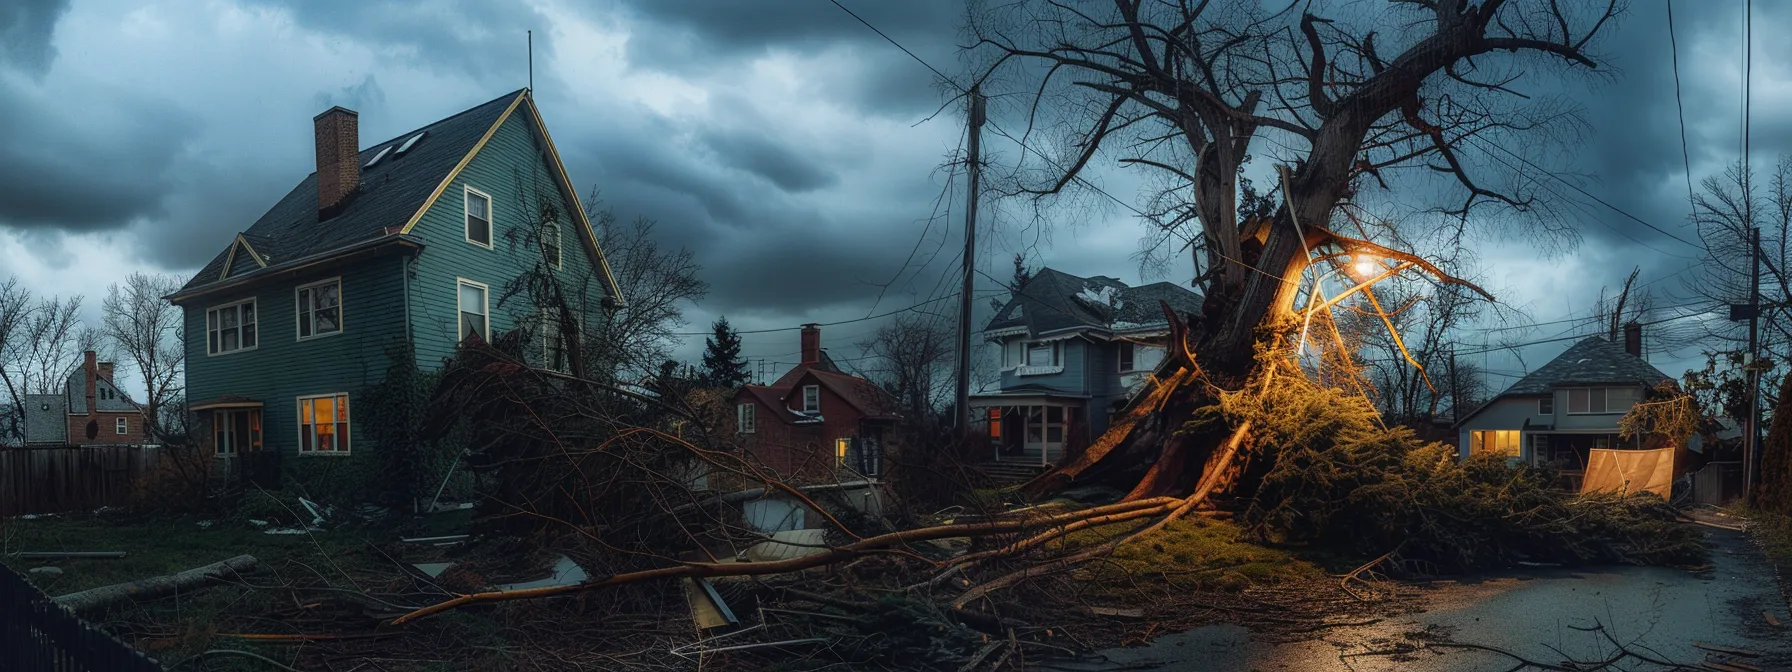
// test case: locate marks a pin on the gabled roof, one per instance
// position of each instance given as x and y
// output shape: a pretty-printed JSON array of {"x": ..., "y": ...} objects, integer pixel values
[
  {"x": 789, "y": 378},
  {"x": 866, "y": 397},
  {"x": 1591, "y": 361},
  {"x": 46, "y": 419},
  {"x": 391, "y": 197},
  {"x": 75, "y": 389},
  {"x": 1053, "y": 301}
]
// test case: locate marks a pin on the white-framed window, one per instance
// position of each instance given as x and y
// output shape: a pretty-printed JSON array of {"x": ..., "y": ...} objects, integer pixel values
[
  {"x": 1496, "y": 441},
  {"x": 471, "y": 303},
  {"x": 479, "y": 217},
  {"x": 1546, "y": 405},
  {"x": 811, "y": 399},
  {"x": 230, "y": 328},
  {"x": 550, "y": 243},
  {"x": 323, "y": 424},
  {"x": 746, "y": 418},
  {"x": 1044, "y": 355},
  {"x": 121, "y": 427},
  {"x": 236, "y": 431},
  {"x": 1014, "y": 353},
  {"x": 319, "y": 307},
  {"x": 1127, "y": 361},
  {"x": 553, "y": 343}
]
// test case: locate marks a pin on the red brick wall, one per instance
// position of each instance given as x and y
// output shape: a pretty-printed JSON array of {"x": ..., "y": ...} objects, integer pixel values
[
  {"x": 105, "y": 428},
  {"x": 800, "y": 453},
  {"x": 338, "y": 151}
]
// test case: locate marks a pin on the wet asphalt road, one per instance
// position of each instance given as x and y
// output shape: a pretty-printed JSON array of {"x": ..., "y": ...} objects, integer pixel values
[{"x": 1543, "y": 615}]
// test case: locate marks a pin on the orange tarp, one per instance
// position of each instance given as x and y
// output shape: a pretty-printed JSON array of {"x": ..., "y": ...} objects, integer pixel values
[{"x": 1628, "y": 471}]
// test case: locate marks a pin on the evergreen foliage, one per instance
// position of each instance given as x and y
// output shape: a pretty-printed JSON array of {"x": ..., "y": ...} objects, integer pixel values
[
  {"x": 1333, "y": 475},
  {"x": 722, "y": 364}
]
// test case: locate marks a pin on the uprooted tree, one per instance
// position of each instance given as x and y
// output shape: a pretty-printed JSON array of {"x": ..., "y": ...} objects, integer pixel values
[{"x": 1182, "y": 91}]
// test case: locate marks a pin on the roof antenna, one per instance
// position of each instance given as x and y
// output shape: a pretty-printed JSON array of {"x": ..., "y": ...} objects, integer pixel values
[{"x": 531, "y": 60}]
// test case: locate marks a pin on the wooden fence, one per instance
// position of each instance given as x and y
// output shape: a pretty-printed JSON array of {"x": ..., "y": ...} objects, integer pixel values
[
  {"x": 63, "y": 478},
  {"x": 38, "y": 634}
]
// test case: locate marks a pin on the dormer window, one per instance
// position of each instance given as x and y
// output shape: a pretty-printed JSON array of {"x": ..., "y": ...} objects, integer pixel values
[
  {"x": 1042, "y": 354},
  {"x": 811, "y": 399}
]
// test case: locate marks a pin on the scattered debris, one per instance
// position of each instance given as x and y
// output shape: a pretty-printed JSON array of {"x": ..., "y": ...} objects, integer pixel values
[
  {"x": 317, "y": 512},
  {"x": 155, "y": 586},
  {"x": 432, "y": 569},
  {"x": 206, "y": 524},
  {"x": 81, "y": 555},
  {"x": 431, "y": 540},
  {"x": 49, "y": 572},
  {"x": 566, "y": 573},
  {"x": 444, "y": 507},
  {"x": 1117, "y": 612},
  {"x": 289, "y": 530},
  {"x": 708, "y": 609},
  {"x": 1727, "y": 649},
  {"x": 258, "y": 523},
  {"x": 1770, "y": 619},
  {"x": 788, "y": 544}
]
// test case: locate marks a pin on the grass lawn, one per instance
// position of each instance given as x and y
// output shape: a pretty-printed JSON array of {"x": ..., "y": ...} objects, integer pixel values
[
  {"x": 1192, "y": 552},
  {"x": 158, "y": 545}
]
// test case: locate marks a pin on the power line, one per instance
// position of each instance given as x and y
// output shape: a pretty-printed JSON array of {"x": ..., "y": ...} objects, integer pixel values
[
  {"x": 1685, "y": 155},
  {"x": 1514, "y": 346},
  {"x": 898, "y": 311},
  {"x": 1584, "y": 192},
  {"x": 893, "y": 41}
]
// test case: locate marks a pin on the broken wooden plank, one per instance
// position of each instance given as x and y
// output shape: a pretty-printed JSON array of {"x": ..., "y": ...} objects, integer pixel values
[
  {"x": 155, "y": 586},
  {"x": 429, "y": 540},
  {"x": 78, "y": 555},
  {"x": 1727, "y": 649},
  {"x": 1118, "y": 612}
]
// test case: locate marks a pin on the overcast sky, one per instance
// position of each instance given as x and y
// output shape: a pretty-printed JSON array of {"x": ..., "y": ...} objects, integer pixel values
[{"x": 792, "y": 148}]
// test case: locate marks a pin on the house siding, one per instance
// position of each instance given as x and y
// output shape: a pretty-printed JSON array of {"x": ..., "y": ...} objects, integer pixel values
[
  {"x": 282, "y": 368},
  {"x": 1072, "y": 380},
  {"x": 513, "y": 170},
  {"x": 1591, "y": 421}
]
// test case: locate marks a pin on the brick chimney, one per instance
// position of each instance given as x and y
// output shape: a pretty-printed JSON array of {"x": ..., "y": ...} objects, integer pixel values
[
  {"x": 1633, "y": 338},
  {"x": 338, "y": 159},
  {"x": 811, "y": 344},
  {"x": 91, "y": 369}
]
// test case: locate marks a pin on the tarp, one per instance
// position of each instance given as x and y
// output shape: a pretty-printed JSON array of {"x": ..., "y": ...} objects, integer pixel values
[{"x": 1628, "y": 471}]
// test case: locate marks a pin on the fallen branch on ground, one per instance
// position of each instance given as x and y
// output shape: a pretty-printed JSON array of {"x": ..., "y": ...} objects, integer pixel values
[{"x": 155, "y": 586}]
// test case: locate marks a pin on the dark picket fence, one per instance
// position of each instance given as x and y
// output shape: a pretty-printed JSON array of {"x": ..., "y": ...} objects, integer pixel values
[
  {"x": 54, "y": 479},
  {"x": 37, "y": 635}
]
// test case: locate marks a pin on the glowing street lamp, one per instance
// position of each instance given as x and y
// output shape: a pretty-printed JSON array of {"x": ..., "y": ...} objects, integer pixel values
[{"x": 1367, "y": 265}]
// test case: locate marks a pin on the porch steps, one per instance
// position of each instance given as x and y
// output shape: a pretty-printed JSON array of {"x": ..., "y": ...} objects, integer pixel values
[{"x": 1011, "y": 473}]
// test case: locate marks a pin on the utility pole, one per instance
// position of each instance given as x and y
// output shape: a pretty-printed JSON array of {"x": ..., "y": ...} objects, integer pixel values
[
  {"x": 1455, "y": 391},
  {"x": 1751, "y": 453},
  {"x": 974, "y": 171}
]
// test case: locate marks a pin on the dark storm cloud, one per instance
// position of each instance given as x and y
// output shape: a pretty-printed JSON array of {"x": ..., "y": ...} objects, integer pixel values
[
  {"x": 359, "y": 97},
  {"x": 756, "y": 152},
  {"x": 25, "y": 30},
  {"x": 480, "y": 37},
  {"x": 82, "y": 171},
  {"x": 696, "y": 36}
]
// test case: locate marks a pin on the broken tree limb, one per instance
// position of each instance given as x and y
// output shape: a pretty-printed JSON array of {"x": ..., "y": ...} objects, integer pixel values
[
  {"x": 155, "y": 586},
  {"x": 831, "y": 556}
]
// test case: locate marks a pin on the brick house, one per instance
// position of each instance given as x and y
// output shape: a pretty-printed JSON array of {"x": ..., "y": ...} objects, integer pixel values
[
  {"x": 816, "y": 423},
  {"x": 90, "y": 411}
]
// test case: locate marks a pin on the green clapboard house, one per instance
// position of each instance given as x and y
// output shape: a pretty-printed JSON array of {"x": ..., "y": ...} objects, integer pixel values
[{"x": 419, "y": 239}]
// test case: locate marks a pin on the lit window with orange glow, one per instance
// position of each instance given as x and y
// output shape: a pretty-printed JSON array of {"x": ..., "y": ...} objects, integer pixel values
[
  {"x": 995, "y": 423},
  {"x": 840, "y": 448}
]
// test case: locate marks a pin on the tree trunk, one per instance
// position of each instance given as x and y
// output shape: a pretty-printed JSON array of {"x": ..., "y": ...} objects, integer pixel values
[{"x": 155, "y": 586}]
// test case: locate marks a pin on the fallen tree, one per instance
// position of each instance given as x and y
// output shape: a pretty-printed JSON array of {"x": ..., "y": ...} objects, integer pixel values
[{"x": 156, "y": 586}]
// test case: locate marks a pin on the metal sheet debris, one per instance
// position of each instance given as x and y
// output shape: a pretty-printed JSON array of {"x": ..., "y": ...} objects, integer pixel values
[
  {"x": 788, "y": 544},
  {"x": 566, "y": 573}
]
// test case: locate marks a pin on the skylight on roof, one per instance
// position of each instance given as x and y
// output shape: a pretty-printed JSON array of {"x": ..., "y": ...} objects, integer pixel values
[
  {"x": 377, "y": 157},
  {"x": 408, "y": 143}
]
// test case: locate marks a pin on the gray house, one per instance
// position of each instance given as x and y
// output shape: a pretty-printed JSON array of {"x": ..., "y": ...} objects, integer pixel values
[
  {"x": 89, "y": 411},
  {"x": 1565, "y": 408},
  {"x": 1073, "y": 349}
]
